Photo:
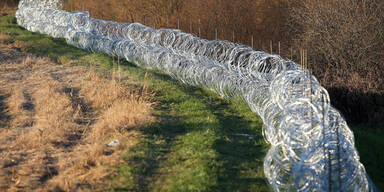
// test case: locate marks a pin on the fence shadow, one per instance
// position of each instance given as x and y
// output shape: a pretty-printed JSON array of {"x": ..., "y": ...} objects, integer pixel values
[{"x": 358, "y": 107}]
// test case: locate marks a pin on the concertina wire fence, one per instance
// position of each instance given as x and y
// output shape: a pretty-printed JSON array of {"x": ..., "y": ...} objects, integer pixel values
[{"x": 312, "y": 148}]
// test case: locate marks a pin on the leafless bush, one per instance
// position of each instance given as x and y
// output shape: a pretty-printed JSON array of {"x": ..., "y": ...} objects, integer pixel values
[{"x": 346, "y": 39}]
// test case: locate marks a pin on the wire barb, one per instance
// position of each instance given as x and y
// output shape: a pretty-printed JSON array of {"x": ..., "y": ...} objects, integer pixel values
[{"x": 307, "y": 154}]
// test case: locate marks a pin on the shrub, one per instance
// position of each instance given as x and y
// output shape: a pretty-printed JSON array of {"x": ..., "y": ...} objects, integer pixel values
[{"x": 346, "y": 39}]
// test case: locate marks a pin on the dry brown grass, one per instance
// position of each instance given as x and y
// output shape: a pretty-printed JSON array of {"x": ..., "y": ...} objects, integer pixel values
[
  {"x": 19, "y": 107},
  {"x": 120, "y": 108},
  {"x": 4, "y": 38},
  {"x": 117, "y": 109},
  {"x": 120, "y": 117},
  {"x": 54, "y": 115},
  {"x": 91, "y": 89},
  {"x": 60, "y": 122}
]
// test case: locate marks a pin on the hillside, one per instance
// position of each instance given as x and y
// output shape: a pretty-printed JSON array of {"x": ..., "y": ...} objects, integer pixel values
[
  {"x": 197, "y": 140},
  {"x": 343, "y": 37}
]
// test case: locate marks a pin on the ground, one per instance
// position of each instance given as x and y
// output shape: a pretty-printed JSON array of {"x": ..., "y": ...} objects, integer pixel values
[
  {"x": 56, "y": 122},
  {"x": 58, "y": 109}
]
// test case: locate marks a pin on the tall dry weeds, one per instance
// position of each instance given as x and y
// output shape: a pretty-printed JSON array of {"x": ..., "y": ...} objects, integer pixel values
[
  {"x": 261, "y": 19},
  {"x": 120, "y": 107}
]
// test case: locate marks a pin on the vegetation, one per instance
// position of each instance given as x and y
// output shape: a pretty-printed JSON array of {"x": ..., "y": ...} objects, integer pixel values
[
  {"x": 243, "y": 18},
  {"x": 5, "y": 4},
  {"x": 193, "y": 144},
  {"x": 56, "y": 121},
  {"x": 344, "y": 37}
]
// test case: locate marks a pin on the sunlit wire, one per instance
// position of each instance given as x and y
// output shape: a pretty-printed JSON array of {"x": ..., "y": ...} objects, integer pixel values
[{"x": 312, "y": 148}]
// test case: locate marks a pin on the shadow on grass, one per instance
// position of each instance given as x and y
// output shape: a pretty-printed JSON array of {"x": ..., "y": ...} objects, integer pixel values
[
  {"x": 240, "y": 157},
  {"x": 146, "y": 158},
  {"x": 53, "y": 48},
  {"x": 241, "y": 146},
  {"x": 370, "y": 144},
  {"x": 241, "y": 152},
  {"x": 4, "y": 117}
]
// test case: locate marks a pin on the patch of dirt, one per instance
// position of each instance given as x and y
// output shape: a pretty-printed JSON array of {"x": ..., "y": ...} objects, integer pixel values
[{"x": 56, "y": 122}]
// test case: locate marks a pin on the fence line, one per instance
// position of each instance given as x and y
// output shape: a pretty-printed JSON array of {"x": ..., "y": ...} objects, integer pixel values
[{"x": 310, "y": 141}]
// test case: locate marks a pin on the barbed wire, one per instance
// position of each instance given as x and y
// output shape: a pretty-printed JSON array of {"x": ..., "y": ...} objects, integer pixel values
[{"x": 312, "y": 147}]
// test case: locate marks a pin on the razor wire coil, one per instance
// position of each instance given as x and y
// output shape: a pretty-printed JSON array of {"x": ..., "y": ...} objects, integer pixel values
[{"x": 312, "y": 148}]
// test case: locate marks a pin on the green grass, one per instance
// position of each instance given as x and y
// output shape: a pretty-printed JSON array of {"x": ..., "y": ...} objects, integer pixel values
[
  {"x": 194, "y": 146},
  {"x": 370, "y": 144}
]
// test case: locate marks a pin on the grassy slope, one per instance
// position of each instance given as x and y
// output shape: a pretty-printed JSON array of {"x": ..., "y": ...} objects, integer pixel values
[{"x": 194, "y": 146}]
